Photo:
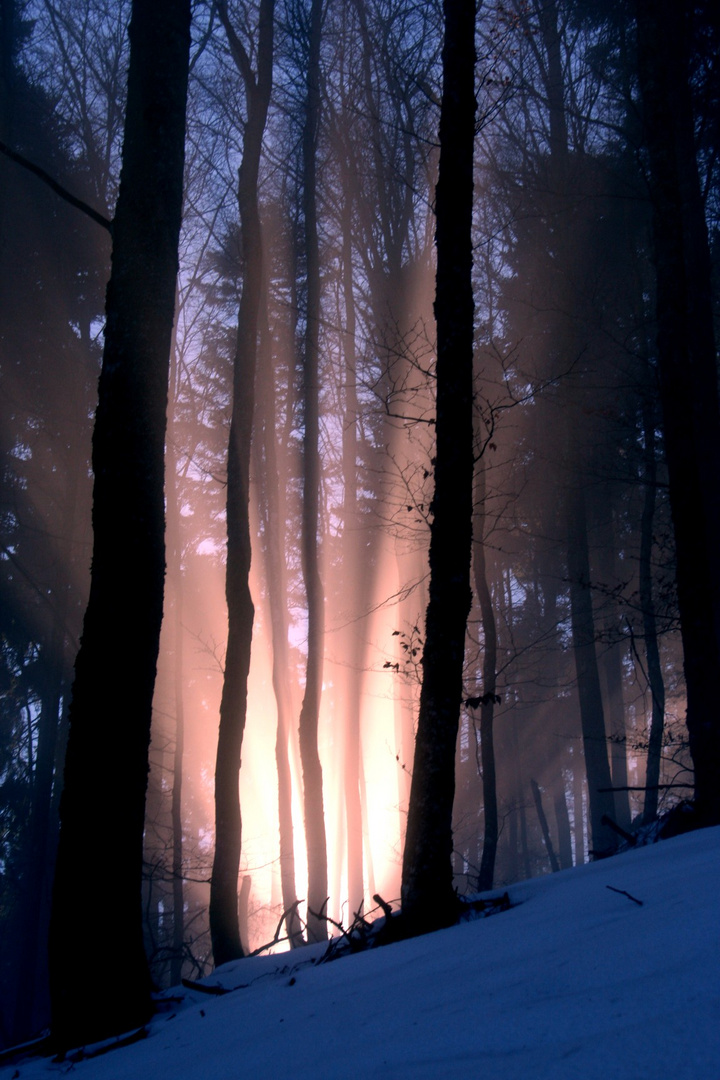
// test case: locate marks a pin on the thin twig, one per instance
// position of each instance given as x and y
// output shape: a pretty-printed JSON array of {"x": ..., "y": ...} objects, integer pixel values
[{"x": 623, "y": 893}]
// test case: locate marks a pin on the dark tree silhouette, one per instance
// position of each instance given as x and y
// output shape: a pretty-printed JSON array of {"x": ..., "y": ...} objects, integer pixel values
[
  {"x": 489, "y": 696},
  {"x": 98, "y": 877},
  {"x": 224, "y": 926},
  {"x": 310, "y": 710},
  {"x": 687, "y": 361},
  {"x": 428, "y": 901}
]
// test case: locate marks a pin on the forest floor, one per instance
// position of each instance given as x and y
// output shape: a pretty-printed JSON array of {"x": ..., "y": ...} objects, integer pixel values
[{"x": 610, "y": 970}]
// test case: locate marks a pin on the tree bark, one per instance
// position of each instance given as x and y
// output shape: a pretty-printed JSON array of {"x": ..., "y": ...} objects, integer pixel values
[
  {"x": 542, "y": 818},
  {"x": 688, "y": 371},
  {"x": 224, "y": 927},
  {"x": 647, "y": 603},
  {"x": 106, "y": 768},
  {"x": 611, "y": 658},
  {"x": 310, "y": 710},
  {"x": 272, "y": 508},
  {"x": 174, "y": 544},
  {"x": 588, "y": 679},
  {"x": 361, "y": 583},
  {"x": 487, "y": 706},
  {"x": 428, "y": 900}
]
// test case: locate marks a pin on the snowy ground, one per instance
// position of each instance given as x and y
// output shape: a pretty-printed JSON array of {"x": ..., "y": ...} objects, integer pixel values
[{"x": 575, "y": 982}]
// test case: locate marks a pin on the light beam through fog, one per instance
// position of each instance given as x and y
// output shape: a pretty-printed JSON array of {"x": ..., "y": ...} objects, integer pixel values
[
  {"x": 578, "y": 538},
  {"x": 375, "y": 571}
]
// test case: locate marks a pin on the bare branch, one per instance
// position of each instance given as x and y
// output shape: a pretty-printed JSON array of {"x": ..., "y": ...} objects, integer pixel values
[{"x": 58, "y": 188}]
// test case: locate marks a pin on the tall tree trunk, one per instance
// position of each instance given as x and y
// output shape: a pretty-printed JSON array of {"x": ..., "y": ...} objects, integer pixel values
[
  {"x": 588, "y": 679},
  {"x": 611, "y": 660},
  {"x": 310, "y": 710},
  {"x": 174, "y": 544},
  {"x": 562, "y": 823},
  {"x": 272, "y": 507},
  {"x": 224, "y": 927},
  {"x": 647, "y": 603},
  {"x": 428, "y": 900},
  {"x": 106, "y": 766},
  {"x": 688, "y": 371},
  {"x": 542, "y": 818},
  {"x": 360, "y": 575},
  {"x": 487, "y": 705},
  {"x": 578, "y": 783},
  {"x": 591, "y": 710}
]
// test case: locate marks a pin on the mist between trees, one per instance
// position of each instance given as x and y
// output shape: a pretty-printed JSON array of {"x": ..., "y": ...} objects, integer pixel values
[{"x": 300, "y": 459}]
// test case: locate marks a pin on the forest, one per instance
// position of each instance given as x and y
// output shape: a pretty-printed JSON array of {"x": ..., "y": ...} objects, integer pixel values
[{"x": 360, "y": 468}]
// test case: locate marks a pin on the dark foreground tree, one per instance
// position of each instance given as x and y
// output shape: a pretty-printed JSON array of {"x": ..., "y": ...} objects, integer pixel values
[
  {"x": 428, "y": 900},
  {"x": 97, "y": 893},
  {"x": 687, "y": 361}
]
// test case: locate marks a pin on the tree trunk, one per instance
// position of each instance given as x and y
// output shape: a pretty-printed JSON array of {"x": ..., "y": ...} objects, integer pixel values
[
  {"x": 611, "y": 659},
  {"x": 688, "y": 371},
  {"x": 276, "y": 576},
  {"x": 224, "y": 928},
  {"x": 174, "y": 544},
  {"x": 647, "y": 603},
  {"x": 106, "y": 767},
  {"x": 547, "y": 840},
  {"x": 361, "y": 576},
  {"x": 562, "y": 822},
  {"x": 428, "y": 900},
  {"x": 578, "y": 783},
  {"x": 487, "y": 706},
  {"x": 588, "y": 678},
  {"x": 310, "y": 711}
]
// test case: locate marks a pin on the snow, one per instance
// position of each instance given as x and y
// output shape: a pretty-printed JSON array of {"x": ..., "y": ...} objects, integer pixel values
[{"x": 575, "y": 982}]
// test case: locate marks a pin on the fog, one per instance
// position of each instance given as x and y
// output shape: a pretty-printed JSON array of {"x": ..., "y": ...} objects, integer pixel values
[{"x": 572, "y": 531}]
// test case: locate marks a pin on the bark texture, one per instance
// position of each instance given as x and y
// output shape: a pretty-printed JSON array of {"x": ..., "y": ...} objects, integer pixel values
[
  {"x": 592, "y": 718},
  {"x": 428, "y": 900},
  {"x": 647, "y": 602},
  {"x": 224, "y": 925},
  {"x": 310, "y": 710},
  {"x": 487, "y": 706},
  {"x": 688, "y": 371},
  {"x": 99, "y": 868}
]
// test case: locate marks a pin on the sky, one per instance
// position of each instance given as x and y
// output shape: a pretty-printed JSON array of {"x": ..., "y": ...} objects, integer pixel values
[{"x": 577, "y": 981}]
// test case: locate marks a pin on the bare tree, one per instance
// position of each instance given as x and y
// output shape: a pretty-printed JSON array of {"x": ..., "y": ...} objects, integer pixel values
[
  {"x": 428, "y": 900},
  {"x": 103, "y": 802},
  {"x": 310, "y": 711},
  {"x": 687, "y": 361},
  {"x": 224, "y": 927}
]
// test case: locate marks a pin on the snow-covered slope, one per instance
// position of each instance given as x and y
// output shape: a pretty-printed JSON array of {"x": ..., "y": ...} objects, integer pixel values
[{"x": 575, "y": 982}]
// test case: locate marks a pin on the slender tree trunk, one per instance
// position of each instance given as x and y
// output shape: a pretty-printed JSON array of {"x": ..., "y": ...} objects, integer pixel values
[
  {"x": 178, "y": 943},
  {"x": 428, "y": 900},
  {"x": 276, "y": 577},
  {"x": 310, "y": 711},
  {"x": 174, "y": 543},
  {"x": 562, "y": 822},
  {"x": 224, "y": 927},
  {"x": 688, "y": 371},
  {"x": 578, "y": 774},
  {"x": 647, "y": 603},
  {"x": 611, "y": 660},
  {"x": 591, "y": 711},
  {"x": 106, "y": 766},
  {"x": 542, "y": 818},
  {"x": 487, "y": 706},
  {"x": 360, "y": 579}
]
